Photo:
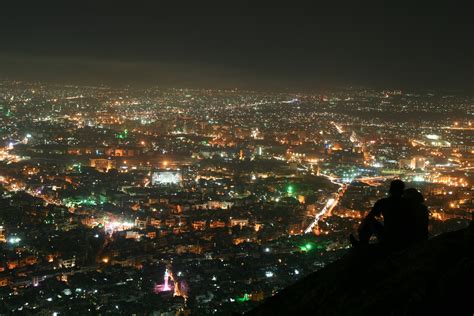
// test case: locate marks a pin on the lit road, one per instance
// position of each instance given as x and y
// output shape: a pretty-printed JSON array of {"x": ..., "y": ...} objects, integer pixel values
[
  {"x": 45, "y": 198},
  {"x": 339, "y": 128},
  {"x": 327, "y": 209}
]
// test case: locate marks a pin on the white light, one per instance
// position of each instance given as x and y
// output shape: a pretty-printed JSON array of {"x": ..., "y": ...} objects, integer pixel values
[
  {"x": 267, "y": 249},
  {"x": 166, "y": 177},
  {"x": 297, "y": 272},
  {"x": 14, "y": 240},
  {"x": 418, "y": 179},
  {"x": 269, "y": 274},
  {"x": 432, "y": 136}
]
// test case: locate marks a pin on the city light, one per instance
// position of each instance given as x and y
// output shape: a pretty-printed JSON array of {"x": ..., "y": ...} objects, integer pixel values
[
  {"x": 290, "y": 189},
  {"x": 14, "y": 240},
  {"x": 269, "y": 274},
  {"x": 134, "y": 199},
  {"x": 244, "y": 298},
  {"x": 307, "y": 247}
]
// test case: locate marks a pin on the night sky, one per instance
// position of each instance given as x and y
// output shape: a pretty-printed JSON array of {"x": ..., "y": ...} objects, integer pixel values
[{"x": 274, "y": 45}]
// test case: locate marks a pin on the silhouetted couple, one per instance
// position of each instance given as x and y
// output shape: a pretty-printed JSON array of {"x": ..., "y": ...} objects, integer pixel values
[{"x": 405, "y": 219}]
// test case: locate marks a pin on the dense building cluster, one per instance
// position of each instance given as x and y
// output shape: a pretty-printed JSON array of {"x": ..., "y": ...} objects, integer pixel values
[{"x": 127, "y": 200}]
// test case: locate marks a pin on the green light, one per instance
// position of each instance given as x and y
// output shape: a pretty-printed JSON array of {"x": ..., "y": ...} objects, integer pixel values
[
  {"x": 306, "y": 247},
  {"x": 78, "y": 166},
  {"x": 290, "y": 189},
  {"x": 122, "y": 135},
  {"x": 244, "y": 298}
]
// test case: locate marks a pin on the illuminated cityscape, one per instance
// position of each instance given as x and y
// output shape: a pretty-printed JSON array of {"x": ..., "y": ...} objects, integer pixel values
[
  {"x": 203, "y": 158},
  {"x": 207, "y": 200}
]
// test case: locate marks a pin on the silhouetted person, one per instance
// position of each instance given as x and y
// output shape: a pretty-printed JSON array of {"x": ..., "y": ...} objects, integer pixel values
[
  {"x": 419, "y": 215},
  {"x": 395, "y": 212}
]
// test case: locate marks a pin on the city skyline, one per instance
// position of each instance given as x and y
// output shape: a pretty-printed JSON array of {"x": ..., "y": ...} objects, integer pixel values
[{"x": 207, "y": 201}]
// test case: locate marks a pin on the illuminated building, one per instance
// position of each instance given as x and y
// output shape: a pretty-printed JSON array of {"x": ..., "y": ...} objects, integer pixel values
[
  {"x": 239, "y": 222},
  {"x": 2, "y": 234},
  {"x": 166, "y": 177},
  {"x": 102, "y": 164},
  {"x": 431, "y": 140},
  {"x": 418, "y": 162}
]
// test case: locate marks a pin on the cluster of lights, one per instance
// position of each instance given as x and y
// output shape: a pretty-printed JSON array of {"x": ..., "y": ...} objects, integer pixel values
[
  {"x": 306, "y": 247},
  {"x": 14, "y": 240},
  {"x": 118, "y": 226}
]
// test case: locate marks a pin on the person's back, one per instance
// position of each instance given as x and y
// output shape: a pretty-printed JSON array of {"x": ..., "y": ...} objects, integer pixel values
[
  {"x": 395, "y": 212},
  {"x": 419, "y": 215}
]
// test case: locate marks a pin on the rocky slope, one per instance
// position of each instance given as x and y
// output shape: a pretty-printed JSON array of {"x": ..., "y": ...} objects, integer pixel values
[{"x": 433, "y": 278}]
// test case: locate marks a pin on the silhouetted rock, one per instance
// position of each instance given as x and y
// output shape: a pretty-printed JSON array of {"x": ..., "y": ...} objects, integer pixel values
[{"x": 432, "y": 278}]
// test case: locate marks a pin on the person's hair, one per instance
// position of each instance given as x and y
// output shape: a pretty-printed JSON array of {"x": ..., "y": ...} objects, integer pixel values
[
  {"x": 396, "y": 187},
  {"x": 414, "y": 195}
]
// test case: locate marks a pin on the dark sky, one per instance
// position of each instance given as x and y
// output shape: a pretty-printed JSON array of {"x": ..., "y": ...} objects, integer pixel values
[{"x": 270, "y": 45}]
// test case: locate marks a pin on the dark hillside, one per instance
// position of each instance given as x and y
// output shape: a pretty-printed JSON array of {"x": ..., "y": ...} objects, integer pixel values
[{"x": 433, "y": 278}]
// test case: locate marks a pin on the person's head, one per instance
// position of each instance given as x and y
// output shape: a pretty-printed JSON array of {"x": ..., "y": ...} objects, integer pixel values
[
  {"x": 396, "y": 188},
  {"x": 413, "y": 195}
]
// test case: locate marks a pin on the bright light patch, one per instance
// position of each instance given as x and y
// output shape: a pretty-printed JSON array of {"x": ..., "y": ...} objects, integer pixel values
[
  {"x": 14, "y": 240},
  {"x": 432, "y": 136},
  {"x": 290, "y": 189},
  {"x": 166, "y": 177},
  {"x": 307, "y": 247},
  {"x": 418, "y": 179},
  {"x": 244, "y": 298}
]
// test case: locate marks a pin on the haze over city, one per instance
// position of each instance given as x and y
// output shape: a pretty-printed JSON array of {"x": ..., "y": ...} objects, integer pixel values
[{"x": 301, "y": 46}]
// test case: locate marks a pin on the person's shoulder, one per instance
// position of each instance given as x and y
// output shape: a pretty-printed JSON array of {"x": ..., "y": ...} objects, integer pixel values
[
  {"x": 387, "y": 199},
  {"x": 382, "y": 202},
  {"x": 423, "y": 208}
]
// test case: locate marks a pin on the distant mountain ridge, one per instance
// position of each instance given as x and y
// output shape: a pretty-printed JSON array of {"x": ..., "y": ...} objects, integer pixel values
[{"x": 433, "y": 278}]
